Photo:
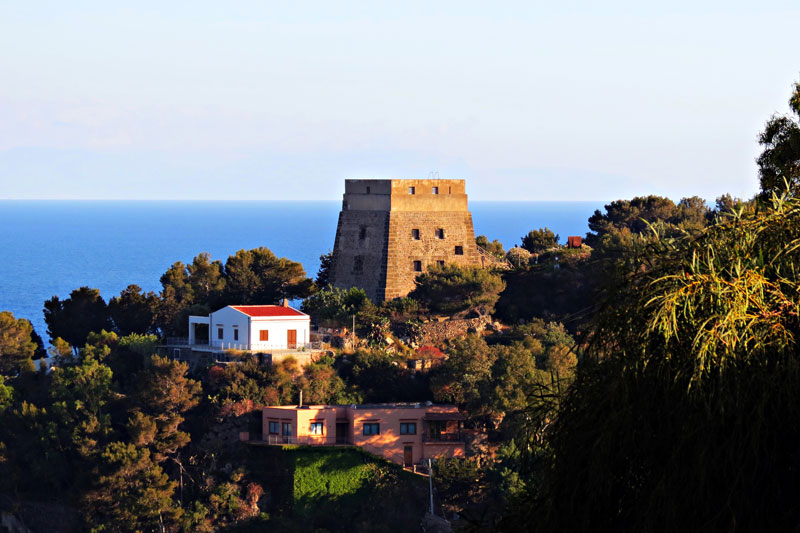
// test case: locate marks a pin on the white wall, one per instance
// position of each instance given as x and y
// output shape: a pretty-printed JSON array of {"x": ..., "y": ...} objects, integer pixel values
[
  {"x": 229, "y": 317},
  {"x": 278, "y": 328}
]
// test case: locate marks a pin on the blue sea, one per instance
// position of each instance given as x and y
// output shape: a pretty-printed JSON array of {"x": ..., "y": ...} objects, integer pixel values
[{"x": 52, "y": 247}]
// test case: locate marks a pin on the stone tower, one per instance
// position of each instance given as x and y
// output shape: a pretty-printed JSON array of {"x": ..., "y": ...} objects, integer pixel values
[{"x": 390, "y": 231}]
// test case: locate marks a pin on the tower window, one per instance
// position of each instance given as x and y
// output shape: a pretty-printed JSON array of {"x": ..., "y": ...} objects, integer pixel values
[
  {"x": 440, "y": 263},
  {"x": 415, "y": 234},
  {"x": 459, "y": 250},
  {"x": 411, "y": 190},
  {"x": 368, "y": 189},
  {"x": 436, "y": 190},
  {"x": 417, "y": 266},
  {"x": 358, "y": 263},
  {"x": 362, "y": 233},
  {"x": 440, "y": 233}
]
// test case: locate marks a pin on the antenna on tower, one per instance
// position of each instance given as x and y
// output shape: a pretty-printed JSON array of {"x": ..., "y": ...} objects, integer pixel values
[{"x": 433, "y": 175}]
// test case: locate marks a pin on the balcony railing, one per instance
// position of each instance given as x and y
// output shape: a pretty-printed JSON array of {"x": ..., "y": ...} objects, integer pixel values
[
  {"x": 245, "y": 347},
  {"x": 443, "y": 437},
  {"x": 267, "y": 347},
  {"x": 310, "y": 440}
]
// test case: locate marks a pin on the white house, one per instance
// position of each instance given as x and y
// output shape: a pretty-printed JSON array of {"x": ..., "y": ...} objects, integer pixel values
[{"x": 254, "y": 327}]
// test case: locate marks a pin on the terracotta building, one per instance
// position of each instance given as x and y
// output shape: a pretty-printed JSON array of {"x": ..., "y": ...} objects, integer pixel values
[
  {"x": 406, "y": 434},
  {"x": 390, "y": 231}
]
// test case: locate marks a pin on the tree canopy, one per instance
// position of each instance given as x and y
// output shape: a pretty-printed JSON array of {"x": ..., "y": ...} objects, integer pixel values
[
  {"x": 634, "y": 216},
  {"x": 16, "y": 345},
  {"x": 133, "y": 311},
  {"x": 324, "y": 272},
  {"x": 779, "y": 162},
  {"x": 258, "y": 276},
  {"x": 494, "y": 247},
  {"x": 452, "y": 288},
  {"x": 73, "y": 318},
  {"x": 539, "y": 240},
  {"x": 336, "y": 305},
  {"x": 685, "y": 410}
]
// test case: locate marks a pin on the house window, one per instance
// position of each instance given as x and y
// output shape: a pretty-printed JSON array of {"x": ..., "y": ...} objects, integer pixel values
[
  {"x": 220, "y": 333},
  {"x": 358, "y": 263},
  {"x": 440, "y": 233},
  {"x": 436, "y": 190},
  {"x": 411, "y": 190},
  {"x": 440, "y": 263},
  {"x": 315, "y": 428},
  {"x": 417, "y": 266},
  {"x": 263, "y": 335},
  {"x": 273, "y": 428},
  {"x": 372, "y": 428},
  {"x": 408, "y": 428},
  {"x": 459, "y": 250},
  {"x": 415, "y": 234},
  {"x": 362, "y": 233},
  {"x": 235, "y": 333}
]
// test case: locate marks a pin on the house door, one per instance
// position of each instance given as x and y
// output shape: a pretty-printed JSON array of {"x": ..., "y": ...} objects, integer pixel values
[
  {"x": 341, "y": 432},
  {"x": 287, "y": 432},
  {"x": 291, "y": 339},
  {"x": 408, "y": 455}
]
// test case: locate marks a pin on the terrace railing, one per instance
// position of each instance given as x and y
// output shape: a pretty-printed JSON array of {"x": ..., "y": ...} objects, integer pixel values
[
  {"x": 245, "y": 347},
  {"x": 309, "y": 440},
  {"x": 491, "y": 260}
]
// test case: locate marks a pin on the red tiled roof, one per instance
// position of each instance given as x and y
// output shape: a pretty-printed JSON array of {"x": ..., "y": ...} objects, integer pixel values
[{"x": 267, "y": 310}]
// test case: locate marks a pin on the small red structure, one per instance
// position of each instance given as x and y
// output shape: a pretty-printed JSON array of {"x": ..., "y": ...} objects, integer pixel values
[{"x": 574, "y": 242}]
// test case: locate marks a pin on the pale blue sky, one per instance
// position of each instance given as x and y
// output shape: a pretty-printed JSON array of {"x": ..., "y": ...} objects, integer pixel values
[{"x": 265, "y": 100}]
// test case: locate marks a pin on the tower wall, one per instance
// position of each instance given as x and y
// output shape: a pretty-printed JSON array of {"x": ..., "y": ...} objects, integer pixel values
[
  {"x": 373, "y": 226},
  {"x": 403, "y": 250},
  {"x": 385, "y": 232}
]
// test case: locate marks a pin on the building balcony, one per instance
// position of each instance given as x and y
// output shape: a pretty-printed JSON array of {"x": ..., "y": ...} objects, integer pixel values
[
  {"x": 307, "y": 440},
  {"x": 443, "y": 438}
]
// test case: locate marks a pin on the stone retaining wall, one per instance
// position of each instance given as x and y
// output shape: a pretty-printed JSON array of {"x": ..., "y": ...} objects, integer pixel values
[{"x": 437, "y": 332}]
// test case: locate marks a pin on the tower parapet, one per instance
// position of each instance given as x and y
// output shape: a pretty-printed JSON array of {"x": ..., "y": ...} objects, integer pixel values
[{"x": 390, "y": 231}]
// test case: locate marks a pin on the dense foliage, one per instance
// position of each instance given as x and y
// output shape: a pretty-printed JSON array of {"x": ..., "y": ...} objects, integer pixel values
[
  {"x": 335, "y": 305},
  {"x": 451, "y": 288},
  {"x": 494, "y": 247},
  {"x": 539, "y": 240},
  {"x": 779, "y": 162},
  {"x": 247, "y": 277},
  {"x": 16, "y": 344},
  {"x": 688, "y": 399}
]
